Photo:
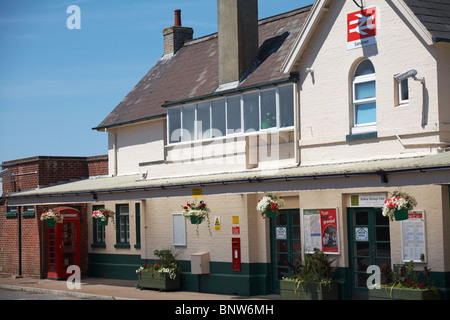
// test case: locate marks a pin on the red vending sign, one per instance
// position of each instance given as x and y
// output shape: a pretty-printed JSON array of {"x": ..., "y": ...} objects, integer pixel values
[
  {"x": 328, "y": 224},
  {"x": 361, "y": 28}
]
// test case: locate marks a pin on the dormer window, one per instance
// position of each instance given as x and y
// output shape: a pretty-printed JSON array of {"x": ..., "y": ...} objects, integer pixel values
[
  {"x": 262, "y": 110},
  {"x": 364, "y": 98}
]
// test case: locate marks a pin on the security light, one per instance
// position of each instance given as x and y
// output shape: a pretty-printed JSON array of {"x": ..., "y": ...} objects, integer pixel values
[{"x": 408, "y": 74}]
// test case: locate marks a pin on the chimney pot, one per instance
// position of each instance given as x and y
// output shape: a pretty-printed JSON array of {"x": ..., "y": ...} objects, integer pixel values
[
  {"x": 177, "y": 18},
  {"x": 176, "y": 36}
]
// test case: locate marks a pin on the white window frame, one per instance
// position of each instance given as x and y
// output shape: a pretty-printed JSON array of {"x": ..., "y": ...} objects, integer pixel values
[
  {"x": 399, "y": 91},
  {"x": 364, "y": 127}
]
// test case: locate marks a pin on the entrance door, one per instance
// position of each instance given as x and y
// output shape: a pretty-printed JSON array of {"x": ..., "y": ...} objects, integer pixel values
[
  {"x": 63, "y": 244},
  {"x": 369, "y": 244},
  {"x": 285, "y": 244}
]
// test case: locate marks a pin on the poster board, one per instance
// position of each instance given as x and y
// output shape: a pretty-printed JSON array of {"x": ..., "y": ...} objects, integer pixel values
[
  {"x": 413, "y": 237},
  {"x": 320, "y": 230}
]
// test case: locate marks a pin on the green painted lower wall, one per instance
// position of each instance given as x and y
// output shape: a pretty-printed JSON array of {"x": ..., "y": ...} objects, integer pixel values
[{"x": 253, "y": 279}]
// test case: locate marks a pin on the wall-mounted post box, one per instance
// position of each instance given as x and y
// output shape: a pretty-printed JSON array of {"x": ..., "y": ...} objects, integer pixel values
[
  {"x": 236, "y": 251},
  {"x": 200, "y": 263}
]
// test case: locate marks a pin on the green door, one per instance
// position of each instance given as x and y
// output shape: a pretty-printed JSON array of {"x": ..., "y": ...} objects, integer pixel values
[
  {"x": 285, "y": 244},
  {"x": 369, "y": 244}
]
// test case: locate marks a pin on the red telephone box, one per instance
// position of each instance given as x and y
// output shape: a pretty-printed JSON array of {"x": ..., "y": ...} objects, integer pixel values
[{"x": 63, "y": 244}]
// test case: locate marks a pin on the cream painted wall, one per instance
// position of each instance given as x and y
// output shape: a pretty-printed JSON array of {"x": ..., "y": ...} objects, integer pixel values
[
  {"x": 138, "y": 143},
  {"x": 157, "y": 229},
  {"x": 429, "y": 198},
  {"x": 443, "y": 67},
  {"x": 326, "y": 119}
]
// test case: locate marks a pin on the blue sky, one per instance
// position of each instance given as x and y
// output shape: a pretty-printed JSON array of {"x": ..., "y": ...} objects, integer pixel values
[{"x": 56, "y": 84}]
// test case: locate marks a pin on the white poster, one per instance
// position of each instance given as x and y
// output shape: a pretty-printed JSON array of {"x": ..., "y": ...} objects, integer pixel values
[{"x": 413, "y": 237}]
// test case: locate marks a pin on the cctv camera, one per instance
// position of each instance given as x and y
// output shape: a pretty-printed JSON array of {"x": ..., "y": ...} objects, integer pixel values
[{"x": 405, "y": 75}]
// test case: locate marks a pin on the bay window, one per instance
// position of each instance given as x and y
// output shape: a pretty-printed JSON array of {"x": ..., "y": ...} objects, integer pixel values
[{"x": 236, "y": 114}]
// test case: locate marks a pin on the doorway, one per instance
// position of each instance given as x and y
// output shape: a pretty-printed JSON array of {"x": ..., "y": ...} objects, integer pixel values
[
  {"x": 369, "y": 244},
  {"x": 285, "y": 244}
]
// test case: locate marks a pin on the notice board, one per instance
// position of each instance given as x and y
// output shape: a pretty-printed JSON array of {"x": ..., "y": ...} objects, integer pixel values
[
  {"x": 413, "y": 237},
  {"x": 320, "y": 230}
]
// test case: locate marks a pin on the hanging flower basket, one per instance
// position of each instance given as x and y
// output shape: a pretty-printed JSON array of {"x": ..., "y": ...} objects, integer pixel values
[
  {"x": 51, "y": 218},
  {"x": 398, "y": 205},
  {"x": 103, "y": 215},
  {"x": 196, "y": 212},
  {"x": 269, "y": 205}
]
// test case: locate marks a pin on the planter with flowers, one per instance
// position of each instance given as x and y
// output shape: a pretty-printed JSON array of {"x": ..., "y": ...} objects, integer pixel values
[
  {"x": 269, "y": 205},
  {"x": 404, "y": 284},
  {"x": 103, "y": 215},
  {"x": 52, "y": 218},
  {"x": 398, "y": 205},
  {"x": 311, "y": 279},
  {"x": 163, "y": 275}
]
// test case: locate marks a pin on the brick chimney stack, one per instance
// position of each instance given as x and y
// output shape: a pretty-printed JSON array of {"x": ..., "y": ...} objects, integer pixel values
[
  {"x": 238, "y": 38},
  {"x": 177, "y": 35}
]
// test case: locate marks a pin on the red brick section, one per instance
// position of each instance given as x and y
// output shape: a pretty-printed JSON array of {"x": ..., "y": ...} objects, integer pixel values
[{"x": 30, "y": 173}]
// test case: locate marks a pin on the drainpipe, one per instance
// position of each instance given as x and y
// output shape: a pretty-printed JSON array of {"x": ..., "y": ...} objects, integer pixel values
[
  {"x": 19, "y": 220},
  {"x": 296, "y": 123},
  {"x": 113, "y": 133}
]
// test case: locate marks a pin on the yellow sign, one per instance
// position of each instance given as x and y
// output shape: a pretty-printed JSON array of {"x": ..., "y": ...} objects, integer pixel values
[
  {"x": 217, "y": 223},
  {"x": 235, "y": 219},
  {"x": 197, "y": 193}
]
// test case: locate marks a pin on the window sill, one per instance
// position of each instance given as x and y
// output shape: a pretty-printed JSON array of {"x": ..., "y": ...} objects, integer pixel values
[
  {"x": 122, "y": 246},
  {"x": 28, "y": 214},
  {"x": 230, "y": 136},
  {"x": 361, "y": 136},
  {"x": 98, "y": 245}
]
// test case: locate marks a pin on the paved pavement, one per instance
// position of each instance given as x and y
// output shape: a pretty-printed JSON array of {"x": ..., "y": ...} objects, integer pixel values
[{"x": 111, "y": 289}]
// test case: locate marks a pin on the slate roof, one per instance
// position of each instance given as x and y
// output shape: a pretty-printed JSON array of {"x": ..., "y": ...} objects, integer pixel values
[
  {"x": 434, "y": 15},
  {"x": 193, "y": 70}
]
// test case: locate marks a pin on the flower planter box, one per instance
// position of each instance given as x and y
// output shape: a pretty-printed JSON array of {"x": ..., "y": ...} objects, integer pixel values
[
  {"x": 386, "y": 293},
  {"x": 308, "y": 291},
  {"x": 159, "y": 281}
]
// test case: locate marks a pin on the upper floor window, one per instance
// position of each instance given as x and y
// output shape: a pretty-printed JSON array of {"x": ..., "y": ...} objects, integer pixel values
[
  {"x": 249, "y": 112},
  {"x": 364, "y": 96},
  {"x": 403, "y": 91}
]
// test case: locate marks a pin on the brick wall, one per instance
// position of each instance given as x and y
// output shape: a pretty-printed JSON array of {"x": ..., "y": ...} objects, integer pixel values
[
  {"x": 31, "y": 173},
  {"x": 97, "y": 166}
]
